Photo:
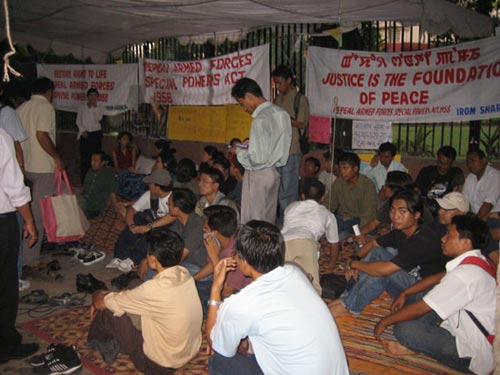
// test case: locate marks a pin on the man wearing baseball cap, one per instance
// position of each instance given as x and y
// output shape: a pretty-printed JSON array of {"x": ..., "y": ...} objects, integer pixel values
[
  {"x": 150, "y": 211},
  {"x": 454, "y": 204}
]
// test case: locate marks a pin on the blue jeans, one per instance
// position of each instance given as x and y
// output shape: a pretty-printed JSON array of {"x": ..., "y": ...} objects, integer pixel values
[
  {"x": 241, "y": 364},
  {"x": 423, "y": 335},
  {"x": 289, "y": 183},
  {"x": 368, "y": 288},
  {"x": 203, "y": 286}
]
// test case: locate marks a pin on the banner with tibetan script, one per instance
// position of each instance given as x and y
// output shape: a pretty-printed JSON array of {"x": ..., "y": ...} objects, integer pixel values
[
  {"x": 204, "y": 82},
  {"x": 116, "y": 84},
  {"x": 455, "y": 83}
]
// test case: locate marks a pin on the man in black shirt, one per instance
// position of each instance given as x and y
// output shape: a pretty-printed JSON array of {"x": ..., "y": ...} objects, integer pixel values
[
  {"x": 394, "y": 261},
  {"x": 435, "y": 181}
]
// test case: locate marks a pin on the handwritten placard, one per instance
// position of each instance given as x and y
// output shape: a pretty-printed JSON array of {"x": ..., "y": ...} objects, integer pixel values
[
  {"x": 319, "y": 129},
  {"x": 369, "y": 135}
]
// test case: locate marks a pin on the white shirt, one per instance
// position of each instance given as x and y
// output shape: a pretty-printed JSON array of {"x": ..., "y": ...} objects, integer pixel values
[
  {"x": 309, "y": 220},
  {"x": 291, "y": 329},
  {"x": 13, "y": 193},
  {"x": 144, "y": 203},
  {"x": 378, "y": 174},
  {"x": 88, "y": 119},
  {"x": 270, "y": 138},
  {"x": 467, "y": 287},
  {"x": 11, "y": 123},
  {"x": 326, "y": 178},
  {"x": 487, "y": 189}
]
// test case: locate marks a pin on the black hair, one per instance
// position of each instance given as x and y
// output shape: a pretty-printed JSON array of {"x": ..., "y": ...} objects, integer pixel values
[
  {"x": 234, "y": 140},
  {"x": 472, "y": 227},
  {"x": 167, "y": 246},
  {"x": 388, "y": 146},
  {"x": 221, "y": 160},
  {"x": 92, "y": 91},
  {"x": 215, "y": 175},
  {"x": 413, "y": 201},
  {"x": 478, "y": 152},
  {"x": 285, "y": 72},
  {"x": 261, "y": 245},
  {"x": 186, "y": 170},
  {"x": 211, "y": 151},
  {"x": 398, "y": 180},
  {"x": 350, "y": 158},
  {"x": 102, "y": 154},
  {"x": 222, "y": 219},
  {"x": 184, "y": 199},
  {"x": 313, "y": 189},
  {"x": 246, "y": 86},
  {"x": 42, "y": 85},
  {"x": 448, "y": 152},
  {"x": 125, "y": 133},
  {"x": 238, "y": 166},
  {"x": 316, "y": 162}
]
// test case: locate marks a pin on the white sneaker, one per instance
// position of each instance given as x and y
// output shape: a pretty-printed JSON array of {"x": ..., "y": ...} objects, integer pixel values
[
  {"x": 126, "y": 265},
  {"x": 24, "y": 284},
  {"x": 114, "y": 263}
]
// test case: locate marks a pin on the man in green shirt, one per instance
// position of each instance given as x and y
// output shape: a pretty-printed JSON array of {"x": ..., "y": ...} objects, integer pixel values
[
  {"x": 352, "y": 198},
  {"x": 98, "y": 185}
]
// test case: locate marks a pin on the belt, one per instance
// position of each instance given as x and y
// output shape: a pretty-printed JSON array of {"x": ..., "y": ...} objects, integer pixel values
[{"x": 7, "y": 214}]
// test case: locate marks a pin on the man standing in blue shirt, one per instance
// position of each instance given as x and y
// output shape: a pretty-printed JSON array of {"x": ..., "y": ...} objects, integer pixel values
[{"x": 270, "y": 139}]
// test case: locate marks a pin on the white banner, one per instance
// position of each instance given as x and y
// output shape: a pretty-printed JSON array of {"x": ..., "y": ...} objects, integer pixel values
[
  {"x": 117, "y": 85},
  {"x": 204, "y": 82},
  {"x": 455, "y": 83}
]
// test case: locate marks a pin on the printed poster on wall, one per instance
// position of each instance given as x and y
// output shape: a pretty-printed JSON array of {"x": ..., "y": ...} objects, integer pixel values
[
  {"x": 369, "y": 135},
  {"x": 116, "y": 83},
  {"x": 455, "y": 83},
  {"x": 203, "y": 82}
]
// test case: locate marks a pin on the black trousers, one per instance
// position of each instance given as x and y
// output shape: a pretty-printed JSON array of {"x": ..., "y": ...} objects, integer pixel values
[
  {"x": 105, "y": 327},
  {"x": 88, "y": 145},
  {"x": 9, "y": 292}
]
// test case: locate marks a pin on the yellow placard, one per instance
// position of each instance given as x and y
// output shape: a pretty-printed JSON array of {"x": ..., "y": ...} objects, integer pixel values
[
  {"x": 217, "y": 124},
  {"x": 237, "y": 122}
]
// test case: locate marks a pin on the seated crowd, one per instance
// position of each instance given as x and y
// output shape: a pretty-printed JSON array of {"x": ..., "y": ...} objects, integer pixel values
[{"x": 207, "y": 243}]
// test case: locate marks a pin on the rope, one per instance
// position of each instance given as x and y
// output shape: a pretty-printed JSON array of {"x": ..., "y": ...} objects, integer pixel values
[
  {"x": 6, "y": 63},
  {"x": 332, "y": 144}
]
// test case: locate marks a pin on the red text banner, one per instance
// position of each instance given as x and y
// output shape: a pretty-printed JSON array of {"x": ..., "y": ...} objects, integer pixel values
[
  {"x": 116, "y": 84},
  {"x": 204, "y": 82},
  {"x": 455, "y": 83}
]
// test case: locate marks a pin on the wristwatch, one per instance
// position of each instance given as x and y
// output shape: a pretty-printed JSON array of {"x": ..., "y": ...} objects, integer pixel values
[{"x": 150, "y": 226}]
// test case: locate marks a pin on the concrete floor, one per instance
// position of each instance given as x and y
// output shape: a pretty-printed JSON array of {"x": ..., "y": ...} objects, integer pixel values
[{"x": 70, "y": 267}]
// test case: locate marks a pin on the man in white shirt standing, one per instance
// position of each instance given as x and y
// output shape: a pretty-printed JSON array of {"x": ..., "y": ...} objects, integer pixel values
[
  {"x": 14, "y": 196},
  {"x": 41, "y": 158},
  {"x": 270, "y": 138},
  {"x": 382, "y": 163},
  {"x": 482, "y": 189},
  {"x": 452, "y": 321},
  {"x": 287, "y": 326},
  {"x": 305, "y": 223},
  {"x": 89, "y": 130}
]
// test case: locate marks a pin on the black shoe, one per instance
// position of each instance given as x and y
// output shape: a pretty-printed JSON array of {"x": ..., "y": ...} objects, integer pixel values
[
  {"x": 40, "y": 359},
  {"x": 19, "y": 352},
  {"x": 89, "y": 284},
  {"x": 121, "y": 282},
  {"x": 63, "y": 360}
]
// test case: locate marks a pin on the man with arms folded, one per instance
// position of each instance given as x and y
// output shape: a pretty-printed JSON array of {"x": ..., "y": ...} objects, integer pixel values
[
  {"x": 287, "y": 324},
  {"x": 446, "y": 323}
]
